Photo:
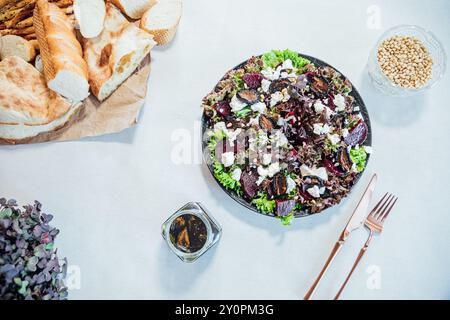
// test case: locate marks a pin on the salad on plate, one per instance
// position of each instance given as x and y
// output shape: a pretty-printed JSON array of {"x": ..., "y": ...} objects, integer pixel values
[{"x": 285, "y": 134}]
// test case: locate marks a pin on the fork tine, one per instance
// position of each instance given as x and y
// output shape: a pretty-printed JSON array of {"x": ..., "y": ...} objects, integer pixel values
[
  {"x": 389, "y": 210},
  {"x": 382, "y": 207},
  {"x": 374, "y": 210}
]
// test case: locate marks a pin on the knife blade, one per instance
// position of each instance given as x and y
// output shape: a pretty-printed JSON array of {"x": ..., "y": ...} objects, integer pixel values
[
  {"x": 354, "y": 223},
  {"x": 360, "y": 212}
]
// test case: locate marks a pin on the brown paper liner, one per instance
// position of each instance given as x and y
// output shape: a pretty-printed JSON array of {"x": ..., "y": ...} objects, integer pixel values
[{"x": 94, "y": 118}]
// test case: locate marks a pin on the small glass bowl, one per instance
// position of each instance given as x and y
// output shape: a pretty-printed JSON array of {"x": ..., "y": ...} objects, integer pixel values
[
  {"x": 213, "y": 229},
  {"x": 429, "y": 40}
]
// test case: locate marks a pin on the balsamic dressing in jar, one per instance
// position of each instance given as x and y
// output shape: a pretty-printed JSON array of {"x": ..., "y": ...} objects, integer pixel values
[
  {"x": 188, "y": 233},
  {"x": 191, "y": 231}
]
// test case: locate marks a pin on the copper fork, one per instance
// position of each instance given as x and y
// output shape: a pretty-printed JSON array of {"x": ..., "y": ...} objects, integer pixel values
[{"x": 374, "y": 222}]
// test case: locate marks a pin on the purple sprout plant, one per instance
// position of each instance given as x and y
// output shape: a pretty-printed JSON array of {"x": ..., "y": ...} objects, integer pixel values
[{"x": 29, "y": 265}]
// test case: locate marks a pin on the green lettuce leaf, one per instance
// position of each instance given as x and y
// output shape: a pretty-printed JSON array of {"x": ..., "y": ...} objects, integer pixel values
[
  {"x": 263, "y": 204},
  {"x": 243, "y": 112},
  {"x": 286, "y": 220},
  {"x": 358, "y": 157},
  {"x": 225, "y": 178},
  {"x": 275, "y": 57}
]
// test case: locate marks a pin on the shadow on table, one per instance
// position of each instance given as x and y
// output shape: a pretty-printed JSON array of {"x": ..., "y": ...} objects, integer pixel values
[
  {"x": 391, "y": 111},
  {"x": 176, "y": 276},
  {"x": 273, "y": 226}
]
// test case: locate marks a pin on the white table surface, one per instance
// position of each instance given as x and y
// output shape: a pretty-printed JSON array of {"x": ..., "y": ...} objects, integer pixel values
[{"x": 111, "y": 194}]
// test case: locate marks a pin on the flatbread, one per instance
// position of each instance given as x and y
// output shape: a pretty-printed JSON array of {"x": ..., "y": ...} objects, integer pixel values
[{"x": 25, "y": 98}]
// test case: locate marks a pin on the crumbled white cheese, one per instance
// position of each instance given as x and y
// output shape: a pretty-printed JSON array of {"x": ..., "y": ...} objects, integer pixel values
[
  {"x": 265, "y": 85},
  {"x": 275, "y": 98},
  {"x": 314, "y": 191},
  {"x": 357, "y": 108},
  {"x": 266, "y": 159},
  {"x": 319, "y": 106},
  {"x": 290, "y": 184},
  {"x": 232, "y": 135},
  {"x": 228, "y": 159},
  {"x": 320, "y": 128},
  {"x": 236, "y": 175},
  {"x": 263, "y": 172},
  {"x": 271, "y": 74},
  {"x": 279, "y": 139},
  {"x": 281, "y": 121},
  {"x": 368, "y": 149},
  {"x": 322, "y": 190},
  {"x": 329, "y": 112},
  {"x": 220, "y": 126},
  {"x": 260, "y": 180},
  {"x": 339, "y": 102},
  {"x": 315, "y": 172},
  {"x": 262, "y": 138},
  {"x": 286, "y": 95},
  {"x": 236, "y": 104},
  {"x": 273, "y": 169},
  {"x": 285, "y": 75},
  {"x": 254, "y": 121},
  {"x": 287, "y": 64},
  {"x": 259, "y": 107},
  {"x": 334, "y": 138},
  {"x": 344, "y": 132}
]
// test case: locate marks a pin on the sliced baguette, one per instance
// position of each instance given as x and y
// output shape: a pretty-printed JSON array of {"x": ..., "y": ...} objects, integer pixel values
[
  {"x": 114, "y": 55},
  {"x": 162, "y": 20},
  {"x": 90, "y": 15},
  {"x": 64, "y": 67},
  {"x": 134, "y": 8},
  {"x": 16, "y": 46}
]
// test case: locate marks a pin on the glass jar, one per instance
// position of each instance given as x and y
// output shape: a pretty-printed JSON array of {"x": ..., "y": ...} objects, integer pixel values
[
  {"x": 213, "y": 230},
  {"x": 429, "y": 40}
]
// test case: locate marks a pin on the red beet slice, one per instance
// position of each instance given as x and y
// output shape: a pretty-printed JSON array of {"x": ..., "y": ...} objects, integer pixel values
[
  {"x": 285, "y": 207},
  {"x": 305, "y": 196},
  {"x": 331, "y": 168},
  {"x": 248, "y": 183},
  {"x": 253, "y": 80},
  {"x": 223, "y": 109},
  {"x": 358, "y": 134},
  {"x": 344, "y": 160}
]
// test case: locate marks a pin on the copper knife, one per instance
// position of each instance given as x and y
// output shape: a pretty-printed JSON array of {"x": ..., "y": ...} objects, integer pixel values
[{"x": 358, "y": 216}]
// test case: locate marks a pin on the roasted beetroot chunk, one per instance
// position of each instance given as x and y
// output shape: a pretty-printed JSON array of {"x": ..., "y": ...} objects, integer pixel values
[
  {"x": 344, "y": 160},
  {"x": 285, "y": 207},
  {"x": 248, "y": 183},
  {"x": 253, "y": 80},
  {"x": 223, "y": 109},
  {"x": 279, "y": 184},
  {"x": 331, "y": 168},
  {"x": 358, "y": 134}
]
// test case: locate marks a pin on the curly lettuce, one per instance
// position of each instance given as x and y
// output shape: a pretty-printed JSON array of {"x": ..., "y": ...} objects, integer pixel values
[
  {"x": 359, "y": 157},
  {"x": 275, "y": 57},
  {"x": 286, "y": 220},
  {"x": 225, "y": 178},
  {"x": 263, "y": 204}
]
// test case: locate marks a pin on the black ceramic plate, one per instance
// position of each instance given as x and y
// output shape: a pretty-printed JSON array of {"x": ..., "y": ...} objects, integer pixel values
[{"x": 358, "y": 101}]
